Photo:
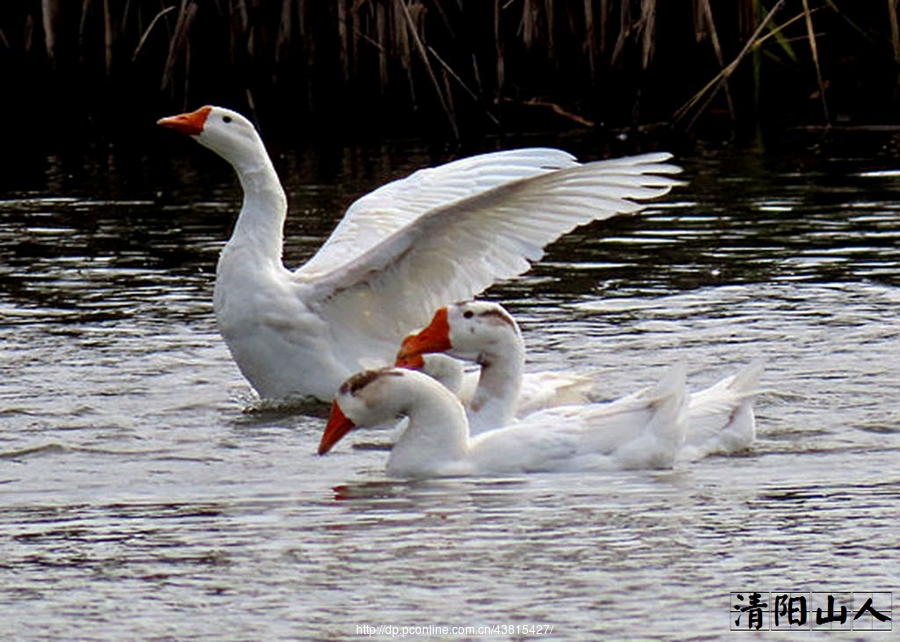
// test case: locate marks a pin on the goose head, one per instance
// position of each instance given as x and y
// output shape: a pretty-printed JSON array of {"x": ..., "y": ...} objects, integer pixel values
[
  {"x": 365, "y": 399},
  {"x": 224, "y": 131},
  {"x": 434, "y": 440},
  {"x": 474, "y": 330}
]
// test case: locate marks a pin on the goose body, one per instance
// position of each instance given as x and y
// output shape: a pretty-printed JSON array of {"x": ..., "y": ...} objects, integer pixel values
[
  {"x": 720, "y": 419},
  {"x": 401, "y": 251},
  {"x": 643, "y": 430}
]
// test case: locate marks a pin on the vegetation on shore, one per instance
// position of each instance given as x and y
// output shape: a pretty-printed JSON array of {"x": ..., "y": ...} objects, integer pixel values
[{"x": 454, "y": 68}]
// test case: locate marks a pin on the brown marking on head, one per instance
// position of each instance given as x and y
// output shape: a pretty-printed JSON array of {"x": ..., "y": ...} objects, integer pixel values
[
  {"x": 501, "y": 314},
  {"x": 362, "y": 379}
]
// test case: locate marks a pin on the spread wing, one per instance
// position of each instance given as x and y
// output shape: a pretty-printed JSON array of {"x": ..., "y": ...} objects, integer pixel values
[
  {"x": 380, "y": 213},
  {"x": 458, "y": 248}
]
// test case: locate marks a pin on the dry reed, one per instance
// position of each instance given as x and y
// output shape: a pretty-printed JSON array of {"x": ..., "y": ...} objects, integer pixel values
[{"x": 472, "y": 63}]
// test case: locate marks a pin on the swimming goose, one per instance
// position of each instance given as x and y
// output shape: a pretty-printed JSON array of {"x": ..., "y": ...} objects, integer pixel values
[
  {"x": 643, "y": 430},
  {"x": 720, "y": 419}
]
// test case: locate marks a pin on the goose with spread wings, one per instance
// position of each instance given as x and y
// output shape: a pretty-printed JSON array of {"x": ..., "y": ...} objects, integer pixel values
[{"x": 440, "y": 235}]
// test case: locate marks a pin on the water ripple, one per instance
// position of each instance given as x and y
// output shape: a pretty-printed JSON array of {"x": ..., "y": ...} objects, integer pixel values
[{"x": 149, "y": 495}]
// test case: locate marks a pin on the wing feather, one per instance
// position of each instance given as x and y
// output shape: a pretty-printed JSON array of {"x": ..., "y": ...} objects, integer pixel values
[
  {"x": 457, "y": 249},
  {"x": 377, "y": 215}
]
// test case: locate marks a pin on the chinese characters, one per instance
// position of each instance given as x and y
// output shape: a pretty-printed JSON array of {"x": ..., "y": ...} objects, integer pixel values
[{"x": 780, "y": 611}]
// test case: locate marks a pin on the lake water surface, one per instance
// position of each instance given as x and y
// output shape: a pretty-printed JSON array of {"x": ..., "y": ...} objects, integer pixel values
[{"x": 146, "y": 494}]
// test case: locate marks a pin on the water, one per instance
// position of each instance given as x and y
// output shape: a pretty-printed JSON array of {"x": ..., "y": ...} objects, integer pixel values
[{"x": 147, "y": 495}]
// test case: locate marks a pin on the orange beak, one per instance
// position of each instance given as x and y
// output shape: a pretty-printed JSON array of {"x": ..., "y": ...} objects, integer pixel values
[
  {"x": 338, "y": 425},
  {"x": 411, "y": 362},
  {"x": 434, "y": 338},
  {"x": 190, "y": 124}
]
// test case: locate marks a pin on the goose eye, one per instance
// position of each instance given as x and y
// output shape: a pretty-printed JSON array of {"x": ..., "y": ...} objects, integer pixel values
[
  {"x": 226, "y": 119},
  {"x": 468, "y": 314}
]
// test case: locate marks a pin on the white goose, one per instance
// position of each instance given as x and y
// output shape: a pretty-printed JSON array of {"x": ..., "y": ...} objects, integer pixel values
[
  {"x": 400, "y": 252},
  {"x": 720, "y": 419},
  {"x": 643, "y": 430},
  {"x": 488, "y": 335}
]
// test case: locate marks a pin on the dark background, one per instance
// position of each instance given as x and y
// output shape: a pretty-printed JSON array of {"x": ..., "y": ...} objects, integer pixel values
[{"x": 102, "y": 71}]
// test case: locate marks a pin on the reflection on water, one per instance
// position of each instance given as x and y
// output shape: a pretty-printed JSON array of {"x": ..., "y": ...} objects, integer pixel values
[{"x": 147, "y": 494}]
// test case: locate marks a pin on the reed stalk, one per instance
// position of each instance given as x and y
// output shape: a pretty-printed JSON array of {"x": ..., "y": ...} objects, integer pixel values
[
  {"x": 590, "y": 36},
  {"x": 146, "y": 33},
  {"x": 895, "y": 28},
  {"x": 705, "y": 96},
  {"x": 814, "y": 49},
  {"x": 49, "y": 20},
  {"x": 443, "y": 99},
  {"x": 709, "y": 29},
  {"x": 179, "y": 45},
  {"x": 648, "y": 31},
  {"x": 108, "y": 38}
]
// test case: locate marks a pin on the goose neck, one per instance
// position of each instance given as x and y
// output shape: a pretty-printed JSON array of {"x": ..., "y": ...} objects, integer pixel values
[
  {"x": 264, "y": 209},
  {"x": 499, "y": 384},
  {"x": 436, "y": 437}
]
